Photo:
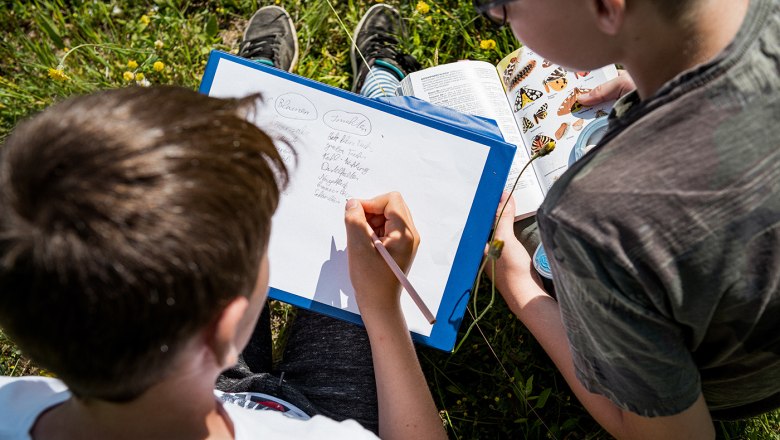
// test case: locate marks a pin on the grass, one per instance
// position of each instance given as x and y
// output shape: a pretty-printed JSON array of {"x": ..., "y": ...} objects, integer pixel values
[{"x": 500, "y": 383}]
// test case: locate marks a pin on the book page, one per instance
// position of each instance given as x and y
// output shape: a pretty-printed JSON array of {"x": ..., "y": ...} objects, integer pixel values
[
  {"x": 543, "y": 97},
  {"x": 346, "y": 149},
  {"x": 473, "y": 87}
]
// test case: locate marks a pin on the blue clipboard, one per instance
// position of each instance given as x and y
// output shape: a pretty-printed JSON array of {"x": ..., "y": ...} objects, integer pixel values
[{"x": 480, "y": 215}]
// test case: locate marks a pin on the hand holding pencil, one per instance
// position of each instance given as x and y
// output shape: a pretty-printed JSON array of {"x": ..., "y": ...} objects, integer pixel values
[{"x": 376, "y": 284}]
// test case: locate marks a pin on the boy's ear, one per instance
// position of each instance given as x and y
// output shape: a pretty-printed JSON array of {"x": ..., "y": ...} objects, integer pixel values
[
  {"x": 609, "y": 15},
  {"x": 224, "y": 338}
]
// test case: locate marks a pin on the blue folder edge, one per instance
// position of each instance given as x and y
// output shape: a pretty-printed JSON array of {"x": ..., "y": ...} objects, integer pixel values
[{"x": 481, "y": 216}]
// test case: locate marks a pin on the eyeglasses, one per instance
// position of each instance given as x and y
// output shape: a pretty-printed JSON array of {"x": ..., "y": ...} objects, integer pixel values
[{"x": 484, "y": 7}]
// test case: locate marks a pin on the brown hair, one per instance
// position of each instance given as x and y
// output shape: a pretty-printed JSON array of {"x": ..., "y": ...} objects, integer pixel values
[{"x": 128, "y": 219}]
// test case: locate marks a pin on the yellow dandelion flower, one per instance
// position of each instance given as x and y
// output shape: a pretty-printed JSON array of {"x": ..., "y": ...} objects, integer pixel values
[
  {"x": 132, "y": 64},
  {"x": 139, "y": 76},
  {"x": 128, "y": 76},
  {"x": 159, "y": 44},
  {"x": 66, "y": 49},
  {"x": 58, "y": 75},
  {"x": 144, "y": 20},
  {"x": 423, "y": 7},
  {"x": 487, "y": 44},
  {"x": 158, "y": 66}
]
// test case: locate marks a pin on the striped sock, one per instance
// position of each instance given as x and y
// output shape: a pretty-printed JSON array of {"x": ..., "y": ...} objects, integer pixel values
[{"x": 380, "y": 81}]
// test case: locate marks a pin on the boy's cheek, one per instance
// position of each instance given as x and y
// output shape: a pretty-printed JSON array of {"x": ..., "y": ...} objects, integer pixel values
[{"x": 561, "y": 31}]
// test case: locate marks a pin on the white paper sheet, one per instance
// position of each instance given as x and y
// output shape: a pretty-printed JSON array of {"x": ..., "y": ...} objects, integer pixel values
[{"x": 346, "y": 149}]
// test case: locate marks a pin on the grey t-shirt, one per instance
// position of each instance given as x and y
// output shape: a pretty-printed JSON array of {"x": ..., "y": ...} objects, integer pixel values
[{"x": 664, "y": 241}]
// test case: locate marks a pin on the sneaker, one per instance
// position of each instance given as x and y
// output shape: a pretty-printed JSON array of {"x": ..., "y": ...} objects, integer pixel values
[
  {"x": 376, "y": 37},
  {"x": 270, "y": 38}
]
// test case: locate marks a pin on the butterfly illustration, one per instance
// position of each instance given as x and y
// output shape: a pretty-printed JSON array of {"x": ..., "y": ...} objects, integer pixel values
[
  {"x": 546, "y": 63},
  {"x": 577, "y": 125},
  {"x": 525, "y": 96},
  {"x": 600, "y": 113},
  {"x": 541, "y": 141},
  {"x": 581, "y": 74},
  {"x": 556, "y": 81},
  {"x": 527, "y": 124},
  {"x": 521, "y": 75},
  {"x": 570, "y": 104},
  {"x": 541, "y": 113},
  {"x": 510, "y": 69}
]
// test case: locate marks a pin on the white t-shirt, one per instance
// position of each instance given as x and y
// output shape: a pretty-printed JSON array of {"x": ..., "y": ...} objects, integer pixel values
[{"x": 24, "y": 399}]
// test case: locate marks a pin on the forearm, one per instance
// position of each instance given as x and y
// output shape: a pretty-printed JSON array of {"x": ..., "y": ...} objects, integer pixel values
[
  {"x": 406, "y": 408},
  {"x": 541, "y": 315}
]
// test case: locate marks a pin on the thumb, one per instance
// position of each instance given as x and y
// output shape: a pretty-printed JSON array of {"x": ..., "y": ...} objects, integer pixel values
[
  {"x": 506, "y": 221},
  {"x": 596, "y": 96},
  {"x": 610, "y": 90}
]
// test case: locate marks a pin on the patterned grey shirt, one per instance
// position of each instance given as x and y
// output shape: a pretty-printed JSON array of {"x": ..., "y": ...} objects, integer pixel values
[{"x": 664, "y": 241}]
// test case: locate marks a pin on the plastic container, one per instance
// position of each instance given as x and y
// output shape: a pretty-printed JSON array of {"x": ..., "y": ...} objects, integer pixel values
[
  {"x": 541, "y": 264},
  {"x": 590, "y": 136}
]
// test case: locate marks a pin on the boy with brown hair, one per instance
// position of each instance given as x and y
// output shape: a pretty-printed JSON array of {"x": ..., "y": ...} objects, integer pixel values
[
  {"x": 663, "y": 240},
  {"x": 133, "y": 264},
  {"x": 133, "y": 234}
]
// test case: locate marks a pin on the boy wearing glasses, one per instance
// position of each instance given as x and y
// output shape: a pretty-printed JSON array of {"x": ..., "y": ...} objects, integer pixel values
[{"x": 664, "y": 241}]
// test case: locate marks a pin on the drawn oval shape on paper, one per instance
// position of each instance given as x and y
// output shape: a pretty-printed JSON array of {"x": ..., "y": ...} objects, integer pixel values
[
  {"x": 295, "y": 106},
  {"x": 353, "y": 123}
]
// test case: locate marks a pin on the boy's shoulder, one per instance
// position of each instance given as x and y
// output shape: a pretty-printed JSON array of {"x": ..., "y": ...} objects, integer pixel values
[
  {"x": 23, "y": 399},
  {"x": 31, "y": 388}
]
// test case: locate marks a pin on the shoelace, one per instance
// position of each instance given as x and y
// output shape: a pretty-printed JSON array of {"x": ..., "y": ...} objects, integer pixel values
[
  {"x": 262, "y": 47},
  {"x": 383, "y": 45}
]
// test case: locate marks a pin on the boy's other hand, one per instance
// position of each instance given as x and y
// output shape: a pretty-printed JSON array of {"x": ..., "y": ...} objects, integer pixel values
[
  {"x": 514, "y": 268},
  {"x": 609, "y": 91},
  {"x": 376, "y": 288}
]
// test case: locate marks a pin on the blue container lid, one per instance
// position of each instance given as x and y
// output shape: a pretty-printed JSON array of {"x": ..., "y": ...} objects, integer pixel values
[
  {"x": 541, "y": 264},
  {"x": 590, "y": 136}
]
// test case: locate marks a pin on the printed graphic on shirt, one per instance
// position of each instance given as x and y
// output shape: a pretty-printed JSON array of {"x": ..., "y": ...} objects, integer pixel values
[{"x": 264, "y": 402}]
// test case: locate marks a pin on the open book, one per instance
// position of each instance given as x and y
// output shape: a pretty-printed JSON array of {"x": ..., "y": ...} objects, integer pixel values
[{"x": 533, "y": 102}]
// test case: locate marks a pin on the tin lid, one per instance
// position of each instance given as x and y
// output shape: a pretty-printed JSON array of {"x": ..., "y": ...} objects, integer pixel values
[
  {"x": 541, "y": 264},
  {"x": 589, "y": 138}
]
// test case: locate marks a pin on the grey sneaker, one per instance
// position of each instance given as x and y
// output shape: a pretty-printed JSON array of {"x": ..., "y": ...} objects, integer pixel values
[
  {"x": 270, "y": 38},
  {"x": 376, "y": 37}
]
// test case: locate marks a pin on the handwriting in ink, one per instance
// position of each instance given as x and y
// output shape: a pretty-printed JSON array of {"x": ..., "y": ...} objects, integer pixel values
[
  {"x": 353, "y": 123},
  {"x": 295, "y": 106}
]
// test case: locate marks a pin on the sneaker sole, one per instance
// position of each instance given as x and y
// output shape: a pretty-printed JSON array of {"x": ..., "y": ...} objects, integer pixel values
[
  {"x": 294, "y": 63},
  {"x": 354, "y": 56}
]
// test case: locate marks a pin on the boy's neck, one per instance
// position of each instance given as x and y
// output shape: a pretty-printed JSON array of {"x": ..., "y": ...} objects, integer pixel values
[
  {"x": 659, "y": 50},
  {"x": 182, "y": 406}
]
